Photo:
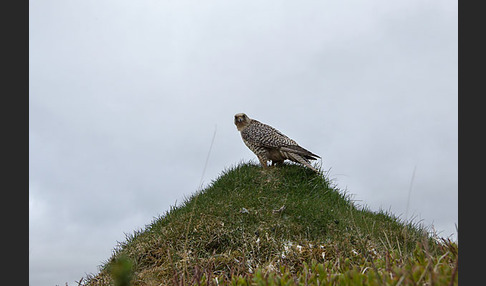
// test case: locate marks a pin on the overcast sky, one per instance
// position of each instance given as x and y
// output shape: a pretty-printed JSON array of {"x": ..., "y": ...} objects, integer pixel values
[{"x": 125, "y": 97}]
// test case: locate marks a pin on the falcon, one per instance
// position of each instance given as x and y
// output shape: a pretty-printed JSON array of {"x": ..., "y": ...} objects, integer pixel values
[{"x": 269, "y": 144}]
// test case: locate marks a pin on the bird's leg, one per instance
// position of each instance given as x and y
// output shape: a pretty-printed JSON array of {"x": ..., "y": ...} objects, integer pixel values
[
  {"x": 263, "y": 162},
  {"x": 277, "y": 163}
]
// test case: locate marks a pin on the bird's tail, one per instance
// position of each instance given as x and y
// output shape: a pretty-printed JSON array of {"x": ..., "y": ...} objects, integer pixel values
[{"x": 302, "y": 160}]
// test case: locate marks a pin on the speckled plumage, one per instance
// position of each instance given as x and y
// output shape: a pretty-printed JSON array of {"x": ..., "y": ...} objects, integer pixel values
[{"x": 269, "y": 144}]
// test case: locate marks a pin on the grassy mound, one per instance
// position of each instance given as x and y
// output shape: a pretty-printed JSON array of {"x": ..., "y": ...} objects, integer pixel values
[{"x": 283, "y": 226}]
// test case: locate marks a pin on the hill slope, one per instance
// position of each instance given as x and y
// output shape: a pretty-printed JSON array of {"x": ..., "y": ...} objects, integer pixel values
[{"x": 285, "y": 224}]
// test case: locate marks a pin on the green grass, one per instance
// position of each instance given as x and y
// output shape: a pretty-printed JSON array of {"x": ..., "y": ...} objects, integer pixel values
[{"x": 283, "y": 226}]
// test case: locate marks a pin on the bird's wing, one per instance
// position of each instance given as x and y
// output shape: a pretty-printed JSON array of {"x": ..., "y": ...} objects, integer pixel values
[
  {"x": 264, "y": 135},
  {"x": 300, "y": 151},
  {"x": 259, "y": 134}
]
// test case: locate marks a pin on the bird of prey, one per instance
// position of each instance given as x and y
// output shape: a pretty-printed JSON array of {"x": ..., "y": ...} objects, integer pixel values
[{"x": 269, "y": 144}]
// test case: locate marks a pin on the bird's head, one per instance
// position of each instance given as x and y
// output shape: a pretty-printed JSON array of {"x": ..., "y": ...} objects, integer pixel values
[{"x": 241, "y": 121}]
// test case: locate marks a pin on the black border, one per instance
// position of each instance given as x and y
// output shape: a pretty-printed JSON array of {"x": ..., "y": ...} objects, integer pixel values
[{"x": 15, "y": 141}]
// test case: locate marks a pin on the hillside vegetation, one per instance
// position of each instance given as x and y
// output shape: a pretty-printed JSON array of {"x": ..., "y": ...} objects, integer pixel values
[{"x": 284, "y": 226}]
